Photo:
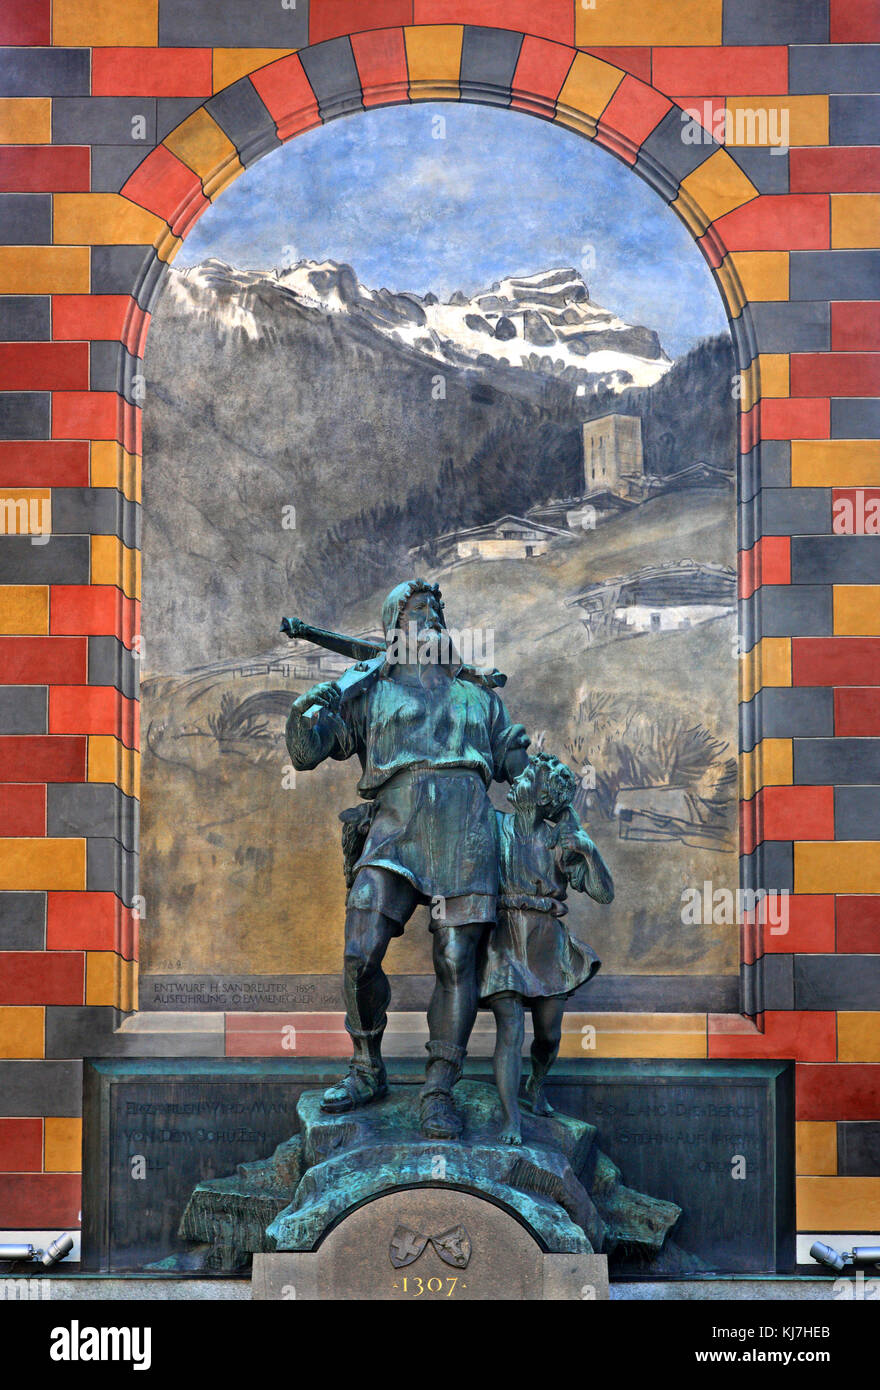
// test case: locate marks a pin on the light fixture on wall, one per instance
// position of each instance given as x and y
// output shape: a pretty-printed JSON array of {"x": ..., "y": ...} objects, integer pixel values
[
  {"x": 859, "y": 1257},
  {"x": 55, "y": 1251}
]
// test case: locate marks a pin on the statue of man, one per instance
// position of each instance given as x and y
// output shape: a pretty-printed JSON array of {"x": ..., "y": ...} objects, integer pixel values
[{"x": 430, "y": 741}]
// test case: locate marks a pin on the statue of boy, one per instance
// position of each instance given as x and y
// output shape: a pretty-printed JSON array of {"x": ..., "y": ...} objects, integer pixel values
[
  {"x": 430, "y": 741},
  {"x": 530, "y": 959}
]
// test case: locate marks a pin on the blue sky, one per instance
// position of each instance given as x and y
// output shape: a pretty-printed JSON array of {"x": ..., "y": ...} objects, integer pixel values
[{"x": 500, "y": 194}]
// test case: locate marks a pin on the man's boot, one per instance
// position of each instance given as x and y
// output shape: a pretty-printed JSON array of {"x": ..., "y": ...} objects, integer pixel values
[
  {"x": 366, "y": 1079},
  {"x": 437, "y": 1113}
]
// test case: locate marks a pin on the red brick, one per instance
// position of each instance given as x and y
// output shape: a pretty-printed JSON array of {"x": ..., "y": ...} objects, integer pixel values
[
  {"x": 551, "y": 19},
  {"x": 94, "y": 317},
  {"x": 795, "y": 418},
  {"x": 749, "y": 430},
  {"x": 41, "y": 758},
  {"x": 149, "y": 72},
  {"x": 90, "y": 922},
  {"x": 86, "y": 415},
  {"x": 842, "y": 1091},
  {"x": 796, "y": 813},
  {"x": 857, "y": 712},
  {"x": 44, "y": 463},
  {"x": 328, "y": 19},
  {"x": 855, "y": 511},
  {"x": 43, "y": 660},
  {"x": 634, "y": 60},
  {"x": 22, "y": 808},
  {"x": 733, "y": 71},
  {"x": 633, "y": 112},
  {"x": 811, "y": 927},
  {"x": 855, "y": 326},
  {"x": 42, "y": 977},
  {"x": 836, "y": 374},
  {"x": 45, "y": 169},
  {"x": 858, "y": 924},
  {"x": 39, "y": 1200},
  {"x": 26, "y": 22},
  {"x": 163, "y": 184},
  {"x": 768, "y": 562},
  {"x": 708, "y": 111},
  {"x": 783, "y": 222},
  {"x": 287, "y": 96},
  {"x": 805, "y": 1035},
  {"x": 380, "y": 56},
  {"x": 21, "y": 1145},
  {"x": 835, "y": 660},
  {"x": 93, "y": 709},
  {"x": 93, "y": 610},
  {"x": 541, "y": 69},
  {"x": 835, "y": 169},
  {"x": 44, "y": 367},
  {"x": 855, "y": 21}
]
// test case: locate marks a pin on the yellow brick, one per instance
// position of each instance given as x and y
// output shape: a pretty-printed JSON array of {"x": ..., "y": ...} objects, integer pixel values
[
  {"x": 104, "y": 219},
  {"x": 25, "y": 511},
  {"x": 661, "y": 22},
  {"x": 716, "y": 187},
  {"x": 21, "y": 1032},
  {"x": 769, "y": 764},
  {"x": 115, "y": 563},
  {"x": 24, "y": 610},
  {"x": 835, "y": 463},
  {"x": 761, "y": 121},
  {"x": 816, "y": 1147},
  {"x": 44, "y": 269},
  {"x": 838, "y": 1204},
  {"x": 111, "y": 466},
  {"x": 232, "y": 63},
  {"x": 857, "y": 610},
  {"x": 25, "y": 121},
  {"x": 586, "y": 92},
  {"x": 768, "y": 663},
  {"x": 110, "y": 980},
  {"x": 773, "y": 374},
  {"x": 63, "y": 1143},
  {"x": 634, "y": 1035},
  {"x": 858, "y": 1037},
  {"x": 433, "y": 55},
  {"x": 106, "y": 23},
  {"x": 203, "y": 147},
  {"x": 32, "y": 865},
  {"x": 110, "y": 761},
  {"x": 855, "y": 220},
  {"x": 838, "y": 866},
  {"x": 761, "y": 274}
]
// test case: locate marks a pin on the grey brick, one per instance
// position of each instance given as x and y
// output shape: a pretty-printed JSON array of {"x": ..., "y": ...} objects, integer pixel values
[
  {"x": 103, "y": 121},
  {"x": 786, "y": 610},
  {"x": 857, "y": 813},
  {"x": 111, "y": 869},
  {"x": 91, "y": 1031},
  {"x": 839, "y": 67},
  {"x": 795, "y": 326},
  {"x": 22, "y": 923},
  {"x": 24, "y": 414},
  {"x": 134, "y": 270},
  {"x": 854, "y": 120},
  {"x": 768, "y": 465},
  {"x": 65, "y": 560},
  {"x": 24, "y": 318},
  {"x": 91, "y": 809},
  {"x": 766, "y": 168},
  {"x": 858, "y": 1148},
  {"x": 113, "y": 368},
  {"x": 782, "y": 511},
  {"x": 23, "y": 709},
  {"x": 777, "y": 712},
  {"x": 111, "y": 663},
  {"x": 742, "y": 330},
  {"x": 230, "y": 24},
  {"x": 836, "y": 982},
  {"x": 835, "y": 275},
  {"x": 782, "y": 21},
  {"x": 44, "y": 72},
  {"x": 240, "y": 112},
  {"x": 488, "y": 62},
  {"x": 855, "y": 418},
  {"x": 827, "y": 762},
  {"x": 113, "y": 165},
  {"x": 835, "y": 560},
  {"x": 172, "y": 111},
  {"x": 777, "y": 984},
  {"x": 41, "y": 1088},
  {"x": 770, "y": 866},
  {"x": 665, "y": 158},
  {"x": 333, "y": 75},
  {"x": 101, "y": 511}
]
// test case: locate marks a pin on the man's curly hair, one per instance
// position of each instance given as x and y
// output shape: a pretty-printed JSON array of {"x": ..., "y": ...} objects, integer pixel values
[{"x": 559, "y": 780}]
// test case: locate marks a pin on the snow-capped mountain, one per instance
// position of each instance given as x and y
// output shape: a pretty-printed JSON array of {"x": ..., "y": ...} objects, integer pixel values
[{"x": 545, "y": 322}]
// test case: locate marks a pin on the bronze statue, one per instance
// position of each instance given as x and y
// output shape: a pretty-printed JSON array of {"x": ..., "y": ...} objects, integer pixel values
[
  {"x": 529, "y": 959},
  {"x": 430, "y": 735}
]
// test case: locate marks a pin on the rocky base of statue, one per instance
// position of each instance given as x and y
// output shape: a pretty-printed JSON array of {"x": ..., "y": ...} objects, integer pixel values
[{"x": 558, "y": 1183}]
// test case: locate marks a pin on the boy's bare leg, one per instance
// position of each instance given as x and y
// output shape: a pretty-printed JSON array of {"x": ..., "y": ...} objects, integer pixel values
[
  {"x": 509, "y": 1034},
  {"x": 547, "y": 1022}
]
